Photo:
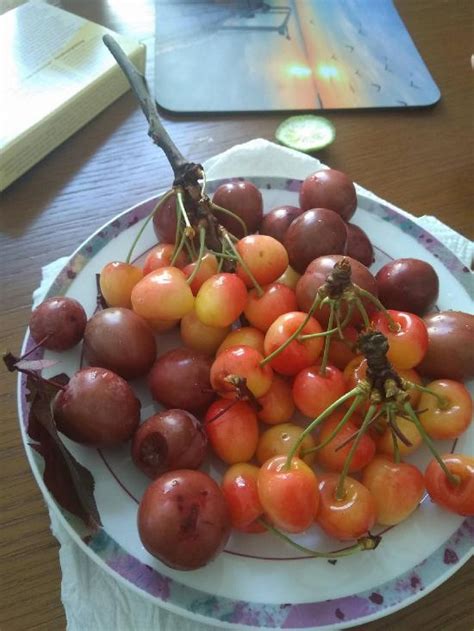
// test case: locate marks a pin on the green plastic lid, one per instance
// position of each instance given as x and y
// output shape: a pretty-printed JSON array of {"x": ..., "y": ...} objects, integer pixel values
[{"x": 306, "y": 132}]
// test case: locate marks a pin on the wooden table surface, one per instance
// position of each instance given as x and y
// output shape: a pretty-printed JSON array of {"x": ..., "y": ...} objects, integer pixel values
[{"x": 420, "y": 160}]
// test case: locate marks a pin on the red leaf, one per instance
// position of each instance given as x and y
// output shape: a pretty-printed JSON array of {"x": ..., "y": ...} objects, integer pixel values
[
  {"x": 71, "y": 484},
  {"x": 35, "y": 364}
]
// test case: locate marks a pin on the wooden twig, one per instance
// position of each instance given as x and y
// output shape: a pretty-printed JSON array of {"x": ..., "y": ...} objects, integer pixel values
[{"x": 184, "y": 171}]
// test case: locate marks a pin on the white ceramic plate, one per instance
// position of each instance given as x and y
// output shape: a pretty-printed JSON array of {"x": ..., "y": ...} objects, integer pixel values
[{"x": 258, "y": 581}]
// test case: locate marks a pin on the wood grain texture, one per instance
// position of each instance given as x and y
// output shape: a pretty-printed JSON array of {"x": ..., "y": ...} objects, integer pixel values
[{"x": 420, "y": 160}]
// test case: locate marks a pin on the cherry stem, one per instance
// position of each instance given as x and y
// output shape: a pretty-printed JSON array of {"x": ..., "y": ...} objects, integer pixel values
[
  {"x": 296, "y": 333},
  {"x": 178, "y": 249},
  {"x": 340, "y": 493},
  {"x": 397, "y": 431},
  {"x": 310, "y": 336},
  {"x": 327, "y": 341},
  {"x": 355, "y": 392},
  {"x": 39, "y": 378},
  {"x": 147, "y": 221},
  {"x": 362, "y": 544},
  {"x": 228, "y": 238},
  {"x": 366, "y": 294},
  {"x": 202, "y": 242},
  {"x": 35, "y": 347},
  {"x": 396, "y": 447},
  {"x": 453, "y": 479},
  {"x": 354, "y": 405},
  {"x": 442, "y": 402},
  {"x": 362, "y": 312},
  {"x": 189, "y": 230},
  {"x": 221, "y": 412},
  {"x": 215, "y": 206}
]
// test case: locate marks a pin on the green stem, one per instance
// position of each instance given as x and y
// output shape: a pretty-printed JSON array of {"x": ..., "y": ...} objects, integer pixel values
[
  {"x": 362, "y": 312},
  {"x": 354, "y": 405},
  {"x": 244, "y": 265},
  {"x": 396, "y": 448},
  {"x": 183, "y": 213},
  {"x": 202, "y": 242},
  {"x": 295, "y": 334},
  {"x": 319, "y": 419},
  {"x": 231, "y": 214},
  {"x": 310, "y": 336},
  {"x": 453, "y": 479},
  {"x": 360, "y": 546},
  {"x": 347, "y": 319},
  {"x": 327, "y": 341},
  {"x": 177, "y": 250},
  {"x": 366, "y": 294},
  {"x": 442, "y": 403},
  {"x": 347, "y": 462},
  {"x": 161, "y": 201}
]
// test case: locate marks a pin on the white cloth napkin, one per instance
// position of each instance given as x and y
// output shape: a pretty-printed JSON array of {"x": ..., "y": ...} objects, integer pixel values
[{"x": 93, "y": 600}]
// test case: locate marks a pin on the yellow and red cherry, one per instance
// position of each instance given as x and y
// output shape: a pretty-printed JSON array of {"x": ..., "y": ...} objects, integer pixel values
[
  {"x": 221, "y": 299},
  {"x": 232, "y": 430},
  {"x": 288, "y": 494},
  {"x": 117, "y": 281}
]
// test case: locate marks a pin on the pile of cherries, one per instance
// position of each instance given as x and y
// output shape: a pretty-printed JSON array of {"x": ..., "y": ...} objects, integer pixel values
[{"x": 293, "y": 356}]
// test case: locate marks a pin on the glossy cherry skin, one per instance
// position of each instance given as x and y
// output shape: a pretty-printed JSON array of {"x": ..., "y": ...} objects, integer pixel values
[
  {"x": 221, "y": 299},
  {"x": 199, "y": 336},
  {"x": 265, "y": 257},
  {"x": 169, "y": 440},
  {"x": 396, "y": 487},
  {"x": 97, "y": 408},
  {"x": 408, "y": 285},
  {"x": 315, "y": 233},
  {"x": 162, "y": 294},
  {"x": 262, "y": 311},
  {"x": 279, "y": 441},
  {"x": 232, "y": 429},
  {"x": 450, "y": 351},
  {"x": 120, "y": 340},
  {"x": 313, "y": 392},
  {"x": 457, "y": 498},
  {"x": 299, "y": 353},
  {"x": 332, "y": 458},
  {"x": 358, "y": 245},
  {"x": 180, "y": 378},
  {"x": 239, "y": 486},
  {"x": 348, "y": 518},
  {"x": 117, "y": 280},
  {"x": 183, "y": 519},
  {"x": 329, "y": 188},
  {"x": 243, "y": 336},
  {"x": 164, "y": 221},
  {"x": 289, "y": 495},
  {"x": 61, "y": 320},
  {"x": 161, "y": 256},
  {"x": 408, "y": 343},
  {"x": 241, "y": 362},
  {"x": 276, "y": 222},
  {"x": 245, "y": 200},
  {"x": 452, "y": 416},
  {"x": 277, "y": 405}
]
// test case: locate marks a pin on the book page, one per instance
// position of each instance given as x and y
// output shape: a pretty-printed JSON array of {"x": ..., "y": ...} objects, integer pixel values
[{"x": 48, "y": 57}]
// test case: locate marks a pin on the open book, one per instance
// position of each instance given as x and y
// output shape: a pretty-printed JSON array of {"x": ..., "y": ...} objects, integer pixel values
[
  {"x": 257, "y": 55},
  {"x": 55, "y": 75}
]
